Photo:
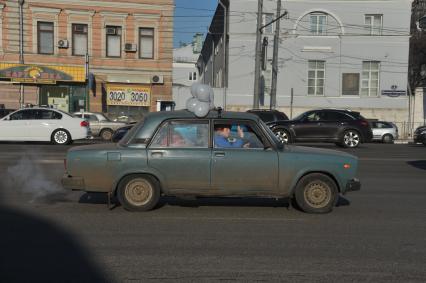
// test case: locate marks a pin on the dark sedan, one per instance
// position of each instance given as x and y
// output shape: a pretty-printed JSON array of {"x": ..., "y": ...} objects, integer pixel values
[
  {"x": 420, "y": 135},
  {"x": 343, "y": 127}
]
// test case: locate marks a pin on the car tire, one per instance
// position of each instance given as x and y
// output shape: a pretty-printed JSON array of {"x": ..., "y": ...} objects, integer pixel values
[
  {"x": 350, "y": 139},
  {"x": 283, "y": 135},
  {"x": 388, "y": 138},
  {"x": 106, "y": 134},
  {"x": 61, "y": 137},
  {"x": 316, "y": 193},
  {"x": 138, "y": 192}
]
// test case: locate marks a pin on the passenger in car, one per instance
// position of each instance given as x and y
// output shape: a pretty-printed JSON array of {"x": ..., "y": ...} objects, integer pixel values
[{"x": 222, "y": 137}]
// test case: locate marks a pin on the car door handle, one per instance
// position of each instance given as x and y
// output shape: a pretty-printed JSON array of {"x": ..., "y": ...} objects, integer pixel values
[
  {"x": 219, "y": 154},
  {"x": 157, "y": 154}
]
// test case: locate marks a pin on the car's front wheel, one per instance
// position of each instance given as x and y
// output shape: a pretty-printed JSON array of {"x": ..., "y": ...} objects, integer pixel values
[
  {"x": 316, "y": 193},
  {"x": 283, "y": 135},
  {"x": 138, "y": 192},
  {"x": 61, "y": 137},
  {"x": 351, "y": 139}
]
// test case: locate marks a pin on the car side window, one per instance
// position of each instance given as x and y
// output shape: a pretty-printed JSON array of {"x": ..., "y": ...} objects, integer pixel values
[
  {"x": 266, "y": 117},
  {"x": 314, "y": 116},
  {"x": 44, "y": 114},
  {"x": 92, "y": 118},
  {"x": 236, "y": 134},
  {"x": 26, "y": 114},
  {"x": 336, "y": 116},
  {"x": 182, "y": 134}
]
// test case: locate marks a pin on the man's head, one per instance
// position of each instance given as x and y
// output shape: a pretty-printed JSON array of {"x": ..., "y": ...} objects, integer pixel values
[{"x": 223, "y": 130}]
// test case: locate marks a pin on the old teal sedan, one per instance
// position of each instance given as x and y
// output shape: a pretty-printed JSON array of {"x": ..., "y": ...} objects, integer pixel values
[{"x": 224, "y": 154}]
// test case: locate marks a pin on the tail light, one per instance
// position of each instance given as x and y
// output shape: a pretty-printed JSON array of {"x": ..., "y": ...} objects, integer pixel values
[
  {"x": 364, "y": 123},
  {"x": 84, "y": 123}
]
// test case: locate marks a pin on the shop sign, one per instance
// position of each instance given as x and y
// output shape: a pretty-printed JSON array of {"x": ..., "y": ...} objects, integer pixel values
[
  {"x": 128, "y": 95},
  {"x": 41, "y": 74}
]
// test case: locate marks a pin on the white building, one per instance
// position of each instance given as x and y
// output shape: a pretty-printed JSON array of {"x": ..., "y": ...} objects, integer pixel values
[{"x": 332, "y": 54}]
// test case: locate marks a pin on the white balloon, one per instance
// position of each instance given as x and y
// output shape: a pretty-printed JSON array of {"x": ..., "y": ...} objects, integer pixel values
[
  {"x": 202, "y": 109},
  {"x": 194, "y": 88},
  {"x": 191, "y": 103},
  {"x": 203, "y": 93}
]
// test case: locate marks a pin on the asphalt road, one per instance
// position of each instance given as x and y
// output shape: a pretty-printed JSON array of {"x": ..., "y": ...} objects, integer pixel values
[{"x": 375, "y": 235}]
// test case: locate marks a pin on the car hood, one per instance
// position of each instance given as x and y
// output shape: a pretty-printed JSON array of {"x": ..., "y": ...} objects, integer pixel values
[{"x": 318, "y": 151}]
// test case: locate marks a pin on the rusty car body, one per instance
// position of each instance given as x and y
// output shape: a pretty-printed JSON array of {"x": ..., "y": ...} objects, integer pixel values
[{"x": 145, "y": 164}]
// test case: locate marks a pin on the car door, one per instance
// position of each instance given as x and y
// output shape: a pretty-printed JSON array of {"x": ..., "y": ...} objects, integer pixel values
[
  {"x": 243, "y": 162},
  {"x": 181, "y": 154},
  {"x": 44, "y": 124},
  {"x": 308, "y": 127},
  {"x": 331, "y": 122}
]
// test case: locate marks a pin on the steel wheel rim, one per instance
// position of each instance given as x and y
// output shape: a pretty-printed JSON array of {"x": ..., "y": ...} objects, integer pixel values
[
  {"x": 106, "y": 135},
  {"x": 351, "y": 139},
  {"x": 317, "y": 194},
  {"x": 60, "y": 137},
  {"x": 138, "y": 192},
  {"x": 282, "y": 136}
]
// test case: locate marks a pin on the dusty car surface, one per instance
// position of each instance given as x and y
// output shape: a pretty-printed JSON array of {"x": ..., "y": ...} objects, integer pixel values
[
  {"x": 100, "y": 125},
  {"x": 226, "y": 154}
]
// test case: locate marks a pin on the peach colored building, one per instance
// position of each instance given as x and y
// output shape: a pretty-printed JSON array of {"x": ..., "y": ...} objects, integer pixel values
[{"x": 113, "y": 56}]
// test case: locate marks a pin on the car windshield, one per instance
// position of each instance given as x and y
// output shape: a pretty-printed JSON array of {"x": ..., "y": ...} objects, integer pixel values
[
  {"x": 299, "y": 117},
  {"x": 103, "y": 118}
]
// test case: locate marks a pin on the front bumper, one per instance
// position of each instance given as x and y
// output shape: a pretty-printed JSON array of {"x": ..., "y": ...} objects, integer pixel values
[
  {"x": 352, "y": 185},
  {"x": 72, "y": 183}
]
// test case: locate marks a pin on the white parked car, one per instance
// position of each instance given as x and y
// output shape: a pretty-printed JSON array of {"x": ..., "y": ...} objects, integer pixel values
[
  {"x": 385, "y": 132},
  {"x": 43, "y": 124}
]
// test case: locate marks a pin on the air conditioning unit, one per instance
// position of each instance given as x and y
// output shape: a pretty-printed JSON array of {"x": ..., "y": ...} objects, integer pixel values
[
  {"x": 157, "y": 79},
  {"x": 63, "y": 43},
  {"x": 111, "y": 30},
  {"x": 130, "y": 47}
]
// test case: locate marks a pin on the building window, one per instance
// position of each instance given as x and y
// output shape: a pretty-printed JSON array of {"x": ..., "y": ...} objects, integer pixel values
[
  {"x": 266, "y": 19},
  {"x": 45, "y": 37},
  {"x": 318, "y": 24},
  {"x": 79, "y": 39},
  {"x": 146, "y": 43},
  {"x": 374, "y": 24},
  {"x": 350, "y": 83},
  {"x": 192, "y": 76},
  {"x": 113, "y": 41},
  {"x": 316, "y": 77},
  {"x": 370, "y": 78}
]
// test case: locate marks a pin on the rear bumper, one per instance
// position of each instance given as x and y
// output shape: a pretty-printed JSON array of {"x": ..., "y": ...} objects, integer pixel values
[
  {"x": 72, "y": 183},
  {"x": 352, "y": 186}
]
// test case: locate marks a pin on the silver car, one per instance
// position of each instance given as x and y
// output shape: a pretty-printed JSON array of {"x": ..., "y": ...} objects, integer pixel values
[
  {"x": 385, "y": 132},
  {"x": 100, "y": 125}
]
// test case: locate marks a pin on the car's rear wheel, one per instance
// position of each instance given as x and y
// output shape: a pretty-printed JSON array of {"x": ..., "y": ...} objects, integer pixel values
[
  {"x": 316, "y": 193},
  {"x": 388, "y": 138},
  {"x": 351, "y": 139},
  {"x": 61, "y": 137},
  {"x": 138, "y": 192},
  {"x": 283, "y": 135},
  {"x": 106, "y": 134}
]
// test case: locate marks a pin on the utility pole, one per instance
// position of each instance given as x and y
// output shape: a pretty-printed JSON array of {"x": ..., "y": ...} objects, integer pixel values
[
  {"x": 273, "y": 102},
  {"x": 258, "y": 54},
  {"x": 224, "y": 46},
  {"x": 21, "y": 47}
]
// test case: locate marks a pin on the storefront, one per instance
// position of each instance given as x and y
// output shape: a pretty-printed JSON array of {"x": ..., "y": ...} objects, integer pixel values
[
  {"x": 127, "y": 101},
  {"x": 61, "y": 87}
]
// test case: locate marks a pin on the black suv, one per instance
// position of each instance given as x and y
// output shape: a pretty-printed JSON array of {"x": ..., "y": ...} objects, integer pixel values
[
  {"x": 269, "y": 116},
  {"x": 420, "y": 135},
  {"x": 343, "y": 127}
]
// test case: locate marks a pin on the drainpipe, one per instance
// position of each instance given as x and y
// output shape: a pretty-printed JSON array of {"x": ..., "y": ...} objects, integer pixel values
[{"x": 225, "y": 32}]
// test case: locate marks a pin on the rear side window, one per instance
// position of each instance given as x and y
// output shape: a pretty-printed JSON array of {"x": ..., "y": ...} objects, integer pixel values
[
  {"x": 336, "y": 116},
  {"x": 280, "y": 116},
  {"x": 266, "y": 116},
  {"x": 182, "y": 134},
  {"x": 48, "y": 115}
]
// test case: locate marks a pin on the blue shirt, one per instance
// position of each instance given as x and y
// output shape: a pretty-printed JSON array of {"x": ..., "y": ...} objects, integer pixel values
[{"x": 221, "y": 141}]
